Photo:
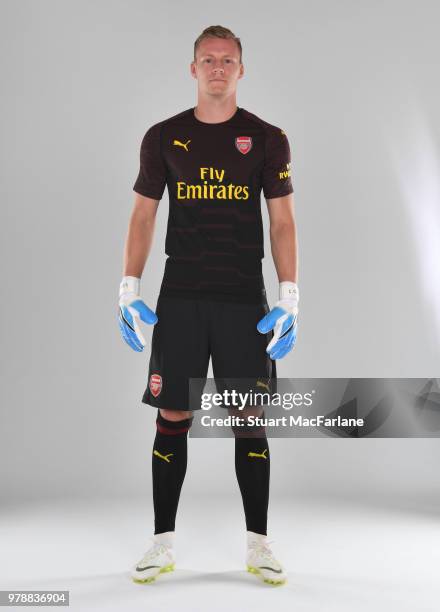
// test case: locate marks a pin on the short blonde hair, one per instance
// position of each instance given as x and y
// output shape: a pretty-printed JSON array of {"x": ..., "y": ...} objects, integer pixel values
[{"x": 217, "y": 31}]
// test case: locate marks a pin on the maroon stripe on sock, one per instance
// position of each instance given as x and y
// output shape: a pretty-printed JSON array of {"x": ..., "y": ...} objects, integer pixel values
[{"x": 170, "y": 432}]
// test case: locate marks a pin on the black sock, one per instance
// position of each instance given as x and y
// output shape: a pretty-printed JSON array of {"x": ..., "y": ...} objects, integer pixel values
[
  {"x": 169, "y": 468},
  {"x": 252, "y": 466}
]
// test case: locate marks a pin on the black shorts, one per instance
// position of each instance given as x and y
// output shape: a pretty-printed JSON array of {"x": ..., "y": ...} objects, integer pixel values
[{"x": 189, "y": 332}]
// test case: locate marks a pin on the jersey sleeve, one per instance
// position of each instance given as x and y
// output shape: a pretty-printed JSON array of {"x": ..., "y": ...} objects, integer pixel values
[
  {"x": 277, "y": 170},
  {"x": 152, "y": 175}
]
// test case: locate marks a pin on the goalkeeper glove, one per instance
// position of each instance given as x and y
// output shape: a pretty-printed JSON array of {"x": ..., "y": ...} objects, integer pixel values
[
  {"x": 283, "y": 320},
  {"x": 131, "y": 309}
]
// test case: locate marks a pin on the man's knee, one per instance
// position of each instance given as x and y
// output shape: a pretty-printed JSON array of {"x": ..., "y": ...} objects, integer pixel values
[
  {"x": 175, "y": 415},
  {"x": 249, "y": 428}
]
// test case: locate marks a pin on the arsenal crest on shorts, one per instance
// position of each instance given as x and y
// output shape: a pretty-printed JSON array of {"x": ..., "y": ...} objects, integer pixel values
[
  {"x": 155, "y": 384},
  {"x": 243, "y": 144}
]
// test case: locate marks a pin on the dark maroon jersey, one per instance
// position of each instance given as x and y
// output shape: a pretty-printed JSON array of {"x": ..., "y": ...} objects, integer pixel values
[{"x": 215, "y": 173}]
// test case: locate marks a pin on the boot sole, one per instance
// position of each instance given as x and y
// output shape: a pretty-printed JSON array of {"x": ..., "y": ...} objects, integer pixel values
[
  {"x": 163, "y": 570},
  {"x": 256, "y": 571}
]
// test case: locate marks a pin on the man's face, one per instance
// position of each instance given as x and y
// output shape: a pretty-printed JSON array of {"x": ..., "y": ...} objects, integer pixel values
[{"x": 217, "y": 67}]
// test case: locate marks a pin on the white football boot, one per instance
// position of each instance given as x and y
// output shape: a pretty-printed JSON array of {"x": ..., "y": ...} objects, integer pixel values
[
  {"x": 260, "y": 560},
  {"x": 157, "y": 560}
]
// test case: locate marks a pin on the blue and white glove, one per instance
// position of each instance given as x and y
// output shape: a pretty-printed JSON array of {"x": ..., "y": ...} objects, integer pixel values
[
  {"x": 283, "y": 320},
  {"x": 131, "y": 309}
]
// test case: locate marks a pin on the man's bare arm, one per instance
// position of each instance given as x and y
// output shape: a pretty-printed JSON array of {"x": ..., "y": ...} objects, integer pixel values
[
  {"x": 283, "y": 237},
  {"x": 140, "y": 235}
]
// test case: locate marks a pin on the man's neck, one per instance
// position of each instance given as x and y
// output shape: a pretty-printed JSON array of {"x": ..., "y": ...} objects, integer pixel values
[{"x": 216, "y": 111}]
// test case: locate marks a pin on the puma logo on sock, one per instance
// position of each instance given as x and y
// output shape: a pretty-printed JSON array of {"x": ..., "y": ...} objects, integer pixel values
[
  {"x": 164, "y": 457},
  {"x": 263, "y": 454}
]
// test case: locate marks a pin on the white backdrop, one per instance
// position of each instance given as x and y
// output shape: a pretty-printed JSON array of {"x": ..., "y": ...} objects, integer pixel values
[{"x": 354, "y": 85}]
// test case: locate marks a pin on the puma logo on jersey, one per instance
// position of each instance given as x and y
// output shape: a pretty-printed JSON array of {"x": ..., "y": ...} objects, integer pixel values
[
  {"x": 182, "y": 144},
  {"x": 262, "y": 455},
  {"x": 260, "y": 383},
  {"x": 164, "y": 457}
]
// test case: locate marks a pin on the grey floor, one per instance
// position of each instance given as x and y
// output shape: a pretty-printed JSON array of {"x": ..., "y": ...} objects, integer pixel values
[{"x": 338, "y": 556}]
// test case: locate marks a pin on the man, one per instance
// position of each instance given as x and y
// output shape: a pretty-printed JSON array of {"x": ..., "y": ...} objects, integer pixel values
[{"x": 215, "y": 159}]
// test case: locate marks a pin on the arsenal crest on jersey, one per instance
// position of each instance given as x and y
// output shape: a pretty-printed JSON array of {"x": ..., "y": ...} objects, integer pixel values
[
  {"x": 155, "y": 384},
  {"x": 243, "y": 144}
]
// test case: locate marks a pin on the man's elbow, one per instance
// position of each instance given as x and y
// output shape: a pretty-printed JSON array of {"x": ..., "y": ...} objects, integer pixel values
[
  {"x": 144, "y": 210},
  {"x": 281, "y": 227}
]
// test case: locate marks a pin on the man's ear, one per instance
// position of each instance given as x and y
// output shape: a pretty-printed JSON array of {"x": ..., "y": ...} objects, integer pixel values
[
  {"x": 192, "y": 68},
  {"x": 241, "y": 73}
]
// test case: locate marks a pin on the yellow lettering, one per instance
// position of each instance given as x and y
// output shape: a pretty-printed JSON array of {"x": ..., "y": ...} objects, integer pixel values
[
  {"x": 194, "y": 192},
  {"x": 219, "y": 174},
  {"x": 180, "y": 186},
  {"x": 209, "y": 191},
  {"x": 221, "y": 192}
]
